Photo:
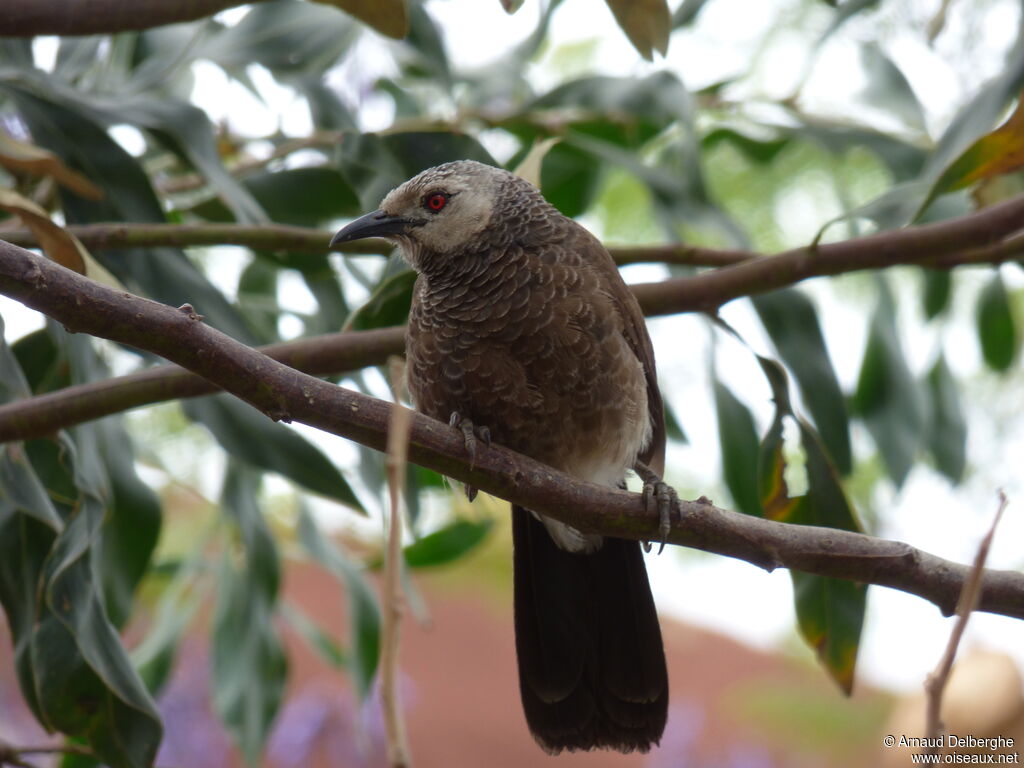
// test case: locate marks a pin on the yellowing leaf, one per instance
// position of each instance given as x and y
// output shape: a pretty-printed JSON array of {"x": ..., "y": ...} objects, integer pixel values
[
  {"x": 56, "y": 242},
  {"x": 18, "y": 155},
  {"x": 994, "y": 154},
  {"x": 389, "y": 17},
  {"x": 647, "y": 24}
]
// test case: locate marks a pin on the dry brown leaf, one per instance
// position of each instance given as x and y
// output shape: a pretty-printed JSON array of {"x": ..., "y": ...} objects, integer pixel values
[
  {"x": 647, "y": 24},
  {"x": 19, "y": 155},
  {"x": 389, "y": 17}
]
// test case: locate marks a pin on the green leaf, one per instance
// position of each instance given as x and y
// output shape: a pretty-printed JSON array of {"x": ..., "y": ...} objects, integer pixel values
[
  {"x": 760, "y": 151},
  {"x": 388, "y": 304},
  {"x": 448, "y": 543},
  {"x": 570, "y": 179},
  {"x": 737, "y": 436},
  {"x": 792, "y": 323},
  {"x": 888, "y": 398},
  {"x": 389, "y": 17},
  {"x": 249, "y": 663},
  {"x": 888, "y": 88},
  {"x": 86, "y": 684},
  {"x": 947, "y": 426},
  {"x": 317, "y": 638},
  {"x": 997, "y": 331},
  {"x": 247, "y": 434},
  {"x": 363, "y": 611},
  {"x": 830, "y": 612},
  {"x": 938, "y": 287},
  {"x": 375, "y": 164}
]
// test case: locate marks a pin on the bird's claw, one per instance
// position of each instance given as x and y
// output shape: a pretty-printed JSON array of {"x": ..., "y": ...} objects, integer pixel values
[
  {"x": 470, "y": 434},
  {"x": 660, "y": 496}
]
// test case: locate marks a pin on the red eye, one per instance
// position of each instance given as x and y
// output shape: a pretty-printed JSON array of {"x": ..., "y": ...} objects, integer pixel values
[{"x": 437, "y": 201}]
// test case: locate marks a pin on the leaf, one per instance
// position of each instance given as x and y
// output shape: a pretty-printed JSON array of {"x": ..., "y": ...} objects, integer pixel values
[
  {"x": 997, "y": 331},
  {"x": 21, "y": 156},
  {"x": 529, "y": 167},
  {"x": 389, "y": 17},
  {"x": 686, "y": 12},
  {"x": 318, "y": 639},
  {"x": 888, "y": 88},
  {"x": 737, "y": 436},
  {"x": 363, "y": 611},
  {"x": 164, "y": 274},
  {"x": 647, "y": 24},
  {"x": 570, "y": 179},
  {"x": 887, "y": 397},
  {"x": 249, "y": 664},
  {"x": 760, "y": 151},
  {"x": 448, "y": 543},
  {"x": 830, "y": 612},
  {"x": 947, "y": 437},
  {"x": 994, "y": 154},
  {"x": 247, "y": 434},
  {"x": 388, "y": 305},
  {"x": 938, "y": 287},
  {"x": 792, "y": 323},
  {"x": 56, "y": 242},
  {"x": 86, "y": 684}
]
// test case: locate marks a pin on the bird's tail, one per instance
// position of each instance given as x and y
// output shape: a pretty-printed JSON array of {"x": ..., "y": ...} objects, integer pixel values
[{"x": 591, "y": 661}]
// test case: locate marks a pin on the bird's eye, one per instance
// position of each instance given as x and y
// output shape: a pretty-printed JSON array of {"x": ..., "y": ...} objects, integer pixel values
[{"x": 436, "y": 201}]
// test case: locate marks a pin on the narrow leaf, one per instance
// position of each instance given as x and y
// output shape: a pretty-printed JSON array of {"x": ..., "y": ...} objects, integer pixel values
[
  {"x": 737, "y": 436},
  {"x": 447, "y": 544},
  {"x": 647, "y": 24},
  {"x": 947, "y": 425},
  {"x": 997, "y": 331}
]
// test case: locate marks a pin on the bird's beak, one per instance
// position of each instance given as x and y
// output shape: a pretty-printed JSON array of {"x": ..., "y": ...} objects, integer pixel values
[{"x": 374, "y": 224}]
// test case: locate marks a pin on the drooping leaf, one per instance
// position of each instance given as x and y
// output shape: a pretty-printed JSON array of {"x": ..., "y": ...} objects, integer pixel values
[
  {"x": 318, "y": 639},
  {"x": 737, "y": 436},
  {"x": 938, "y": 287},
  {"x": 888, "y": 398},
  {"x": 363, "y": 611},
  {"x": 249, "y": 664},
  {"x": 21, "y": 156},
  {"x": 792, "y": 323},
  {"x": 830, "y": 612},
  {"x": 448, "y": 543},
  {"x": 888, "y": 88},
  {"x": 647, "y": 24},
  {"x": 947, "y": 438},
  {"x": 249, "y": 436},
  {"x": 997, "y": 330}
]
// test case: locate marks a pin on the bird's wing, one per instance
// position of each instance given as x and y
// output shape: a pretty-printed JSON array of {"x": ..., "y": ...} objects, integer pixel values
[{"x": 634, "y": 329}]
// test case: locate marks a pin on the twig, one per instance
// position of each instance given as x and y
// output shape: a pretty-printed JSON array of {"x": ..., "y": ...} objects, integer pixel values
[
  {"x": 283, "y": 393},
  {"x": 398, "y": 449},
  {"x": 935, "y": 684}
]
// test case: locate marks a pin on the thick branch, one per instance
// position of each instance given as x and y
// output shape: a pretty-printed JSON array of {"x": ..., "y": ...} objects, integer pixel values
[
  {"x": 942, "y": 244},
  {"x": 286, "y": 394},
  {"x": 973, "y": 239},
  {"x": 24, "y": 18}
]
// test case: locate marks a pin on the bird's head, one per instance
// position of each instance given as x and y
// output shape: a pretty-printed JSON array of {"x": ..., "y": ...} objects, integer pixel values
[{"x": 440, "y": 211}]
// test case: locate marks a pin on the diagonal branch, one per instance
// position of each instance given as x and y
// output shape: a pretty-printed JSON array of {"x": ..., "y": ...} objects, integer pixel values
[
  {"x": 973, "y": 239},
  {"x": 286, "y": 394}
]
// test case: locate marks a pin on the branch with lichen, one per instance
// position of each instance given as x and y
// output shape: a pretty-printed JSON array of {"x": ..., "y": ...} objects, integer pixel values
[{"x": 283, "y": 393}]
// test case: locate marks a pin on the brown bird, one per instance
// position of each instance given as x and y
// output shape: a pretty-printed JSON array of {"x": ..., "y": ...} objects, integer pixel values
[{"x": 522, "y": 331}]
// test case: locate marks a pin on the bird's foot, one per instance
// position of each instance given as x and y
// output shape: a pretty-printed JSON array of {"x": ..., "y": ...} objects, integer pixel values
[
  {"x": 470, "y": 434},
  {"x": 660, "y": 496}
]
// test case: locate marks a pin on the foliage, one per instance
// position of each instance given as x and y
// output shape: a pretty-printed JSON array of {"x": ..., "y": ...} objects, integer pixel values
[{"x": 78, "y": 524}]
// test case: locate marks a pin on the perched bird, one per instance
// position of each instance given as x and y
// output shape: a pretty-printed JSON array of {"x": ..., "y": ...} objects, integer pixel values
[{"x": 523, "y": 332}]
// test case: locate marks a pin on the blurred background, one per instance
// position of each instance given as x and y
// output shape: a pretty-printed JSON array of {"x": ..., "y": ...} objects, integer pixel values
[{"x": 242, "y": 557}]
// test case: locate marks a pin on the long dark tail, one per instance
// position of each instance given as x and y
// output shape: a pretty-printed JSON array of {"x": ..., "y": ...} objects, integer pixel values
[{"x": 591, "y": 662}]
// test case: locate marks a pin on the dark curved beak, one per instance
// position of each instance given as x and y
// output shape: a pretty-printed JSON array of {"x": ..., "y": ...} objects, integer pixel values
[{"x": 373, "y": 224}]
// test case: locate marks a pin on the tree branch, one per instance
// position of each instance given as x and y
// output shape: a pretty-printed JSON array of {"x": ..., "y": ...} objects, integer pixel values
[
  {"x": 286, "y": 394},
  {"x": 973, "y": 239},
  {"x": 25, "y": 18},
  {"x": 271, "y": 237}
]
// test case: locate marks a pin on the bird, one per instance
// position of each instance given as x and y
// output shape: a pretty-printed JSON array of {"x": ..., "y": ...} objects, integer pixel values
[{"x": 523, "y": 332}]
